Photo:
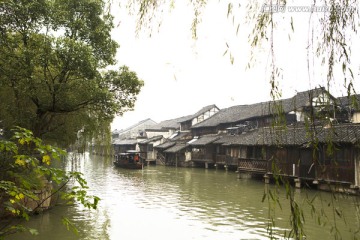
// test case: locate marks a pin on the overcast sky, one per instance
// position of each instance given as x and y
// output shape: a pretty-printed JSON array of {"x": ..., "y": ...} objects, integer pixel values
[{"x": 182, "y": 75}]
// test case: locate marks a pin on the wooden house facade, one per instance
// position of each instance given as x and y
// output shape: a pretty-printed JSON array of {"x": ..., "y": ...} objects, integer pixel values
[
  {"x": 201, "y": 150},
  {"x": 245, "y": 138},
  {"x": 329, "y": 156},
  {"x": 176, "y": 132},
  {"x": 160, "y": 155},
  {"x": 246, "y": 117},
  {"x": 172, "y": 151},
  {"x": 123, "y": 145},
  {"x": 175, "y": 155},
  {"x": 147, "y": 150}
]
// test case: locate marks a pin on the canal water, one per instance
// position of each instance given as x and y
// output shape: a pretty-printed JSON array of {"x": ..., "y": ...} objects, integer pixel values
[{"x": 184, "y": 203}]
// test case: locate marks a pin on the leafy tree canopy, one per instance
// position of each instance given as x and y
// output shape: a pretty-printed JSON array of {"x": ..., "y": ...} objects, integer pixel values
[{"x": 53, "y": 56}]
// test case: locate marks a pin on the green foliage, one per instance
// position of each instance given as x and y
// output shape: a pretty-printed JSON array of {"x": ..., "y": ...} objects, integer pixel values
[
  {"x": 25, "y": 170},
  {"x": 52, "y": 79},
  {"x": 69, "y": 225}
]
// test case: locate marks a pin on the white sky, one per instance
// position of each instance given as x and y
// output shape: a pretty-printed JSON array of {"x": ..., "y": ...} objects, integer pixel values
[{"x": 182, "y": 75}]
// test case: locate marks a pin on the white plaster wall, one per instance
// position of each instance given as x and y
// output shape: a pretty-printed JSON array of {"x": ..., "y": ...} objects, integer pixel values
[
  {"x": 204, "y": 116},
  {"x": 356, "y": 117}
]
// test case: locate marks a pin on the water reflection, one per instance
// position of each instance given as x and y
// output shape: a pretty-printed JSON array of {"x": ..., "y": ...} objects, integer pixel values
[{"x": 178, "y": 203}]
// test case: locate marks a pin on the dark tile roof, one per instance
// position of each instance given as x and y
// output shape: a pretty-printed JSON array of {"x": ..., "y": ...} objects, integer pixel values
[
  {"x": 234, "y": 114},
  {"x": 346, "y": 101},
  {"x": 303, "y": 98},
  {"x": 254, "y": 137},
  {"x": 153, "y": 139},
  {"x": 198, "y": 113},
  {"x": 134, "y": 126},
  {"x": 295, "y": 136},
  {"x": 205, "y": 140},
  {"x": 175, "y": 123},
  {"x": 167, "y": 124},
  {"x": 344, "y": 133},
  {"x": 165, "y": 145},
  {"x": 246, "y": 112},
  {"x": 124, "y": 142},
  {"x": 225, "y": 139},
  {"x": 176, "y": 148}
]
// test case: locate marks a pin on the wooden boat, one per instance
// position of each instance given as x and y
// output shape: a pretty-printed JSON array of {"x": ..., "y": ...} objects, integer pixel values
[{"x": 130, "y": 160}]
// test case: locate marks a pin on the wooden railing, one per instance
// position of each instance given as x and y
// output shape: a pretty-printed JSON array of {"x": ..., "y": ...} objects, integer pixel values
[
  {"x": 160, "y": 158},
  {"x": 201, "y": 157},
  {"x": 252, "y": 165}
]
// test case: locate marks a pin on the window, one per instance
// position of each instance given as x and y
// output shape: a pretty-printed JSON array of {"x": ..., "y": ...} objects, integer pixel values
[
  {"x": 254, "y": 152},
  {"x": 343, "y": 156}
]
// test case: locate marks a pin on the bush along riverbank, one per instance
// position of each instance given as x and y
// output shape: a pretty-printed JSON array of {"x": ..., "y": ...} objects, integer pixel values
[{"x": 28, "y": 183}]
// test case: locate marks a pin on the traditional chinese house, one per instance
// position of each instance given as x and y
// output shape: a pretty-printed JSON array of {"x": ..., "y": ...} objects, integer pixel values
[{"x": 321, "y": 156}]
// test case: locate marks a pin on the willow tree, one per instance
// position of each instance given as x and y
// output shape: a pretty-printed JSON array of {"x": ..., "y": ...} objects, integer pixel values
[
  {"x": 332, "y": 28},
  {"x": 53, "y": 60}
]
